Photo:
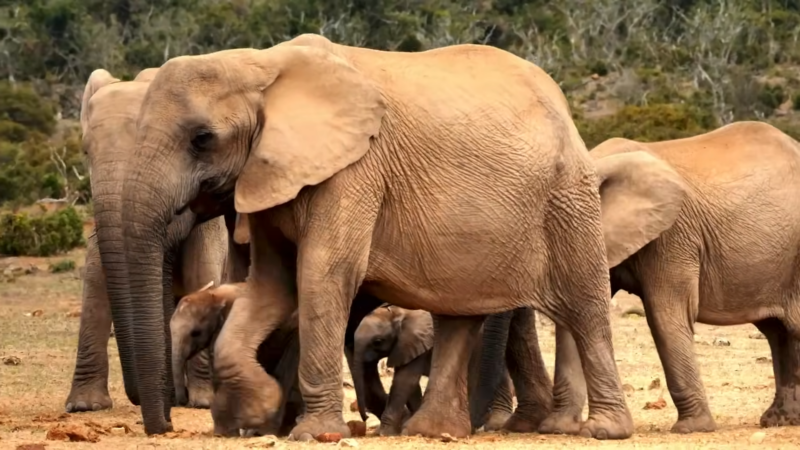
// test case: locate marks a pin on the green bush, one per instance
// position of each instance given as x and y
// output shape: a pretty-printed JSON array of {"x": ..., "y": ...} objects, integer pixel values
[
  {"x": 650, "y": 123},
  {"x": 46, "y": 235},
  {"x": 64, "y": 265},
  {"x": 772, "y": 96}
]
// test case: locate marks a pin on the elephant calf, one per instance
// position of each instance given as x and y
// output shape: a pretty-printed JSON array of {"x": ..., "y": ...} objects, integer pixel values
[
  {"x": 405, "y": 337},
  {"x": 195, "y": 326}
]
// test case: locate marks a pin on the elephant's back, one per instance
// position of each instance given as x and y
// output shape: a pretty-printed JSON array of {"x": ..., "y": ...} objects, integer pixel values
[{"x": 737, "y": 154}]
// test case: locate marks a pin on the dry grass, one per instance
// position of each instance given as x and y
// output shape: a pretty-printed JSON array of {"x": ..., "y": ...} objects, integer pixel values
[{"x": 32, "y": 394}]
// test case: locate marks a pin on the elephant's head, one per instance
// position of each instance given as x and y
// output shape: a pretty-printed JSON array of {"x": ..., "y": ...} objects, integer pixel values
[
  {"x": 195, "y": 324},
  {"x": 389, "y": 332},
  {"x": 108, "y": 122},
  {"x": 246, "y": 128},
  {"x": 641, "y": 198}
]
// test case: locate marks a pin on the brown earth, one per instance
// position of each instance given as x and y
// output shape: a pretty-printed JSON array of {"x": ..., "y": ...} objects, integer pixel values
[{"x": 738, "y": 381}]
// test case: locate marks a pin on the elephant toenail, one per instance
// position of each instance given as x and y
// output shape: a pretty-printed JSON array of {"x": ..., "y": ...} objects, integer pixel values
[
  {"x": 586, "y": 433},
  {"x": 602, "y": 434},
  {"x": 305, "y": 437},
  {"x": 81, "y": 406}
]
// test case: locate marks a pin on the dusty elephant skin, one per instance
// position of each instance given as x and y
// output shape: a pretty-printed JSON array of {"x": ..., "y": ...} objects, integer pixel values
[
  {"x": 381, "y": 171},
  {"x": 198, "y": 250},
  {"x": 405, "y": 337},
  {"x": 725, "y": 203}
]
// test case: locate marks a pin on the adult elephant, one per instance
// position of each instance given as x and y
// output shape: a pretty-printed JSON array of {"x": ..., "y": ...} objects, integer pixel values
[
  {"x": 197, "y": 251},
  {"x": 464, "y": 195},
  {"x": 727, "y": 201}
]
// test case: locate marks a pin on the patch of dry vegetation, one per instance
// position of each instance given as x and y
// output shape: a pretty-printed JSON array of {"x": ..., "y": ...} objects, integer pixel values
[{"x": 738, "y": 380}]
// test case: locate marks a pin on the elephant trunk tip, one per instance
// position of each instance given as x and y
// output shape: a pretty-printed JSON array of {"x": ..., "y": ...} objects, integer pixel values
[{"x": 364, "y": 416}]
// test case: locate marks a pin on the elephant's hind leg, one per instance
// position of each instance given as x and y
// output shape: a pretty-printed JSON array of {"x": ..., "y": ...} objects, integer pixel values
[
  {"x": 444, "y": 405},
  {"x": 785, "y": 407},
  {"x": 666, "y": 307},
  {"x": 531, "y": 381},
  {"x": 90, "y": 381},
  {"x": 569, "y": 392}
]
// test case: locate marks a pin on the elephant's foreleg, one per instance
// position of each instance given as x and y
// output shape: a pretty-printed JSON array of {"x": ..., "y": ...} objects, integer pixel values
[
  {"x": 198, "y": 375},
  {"x": 569, "y": 391},
  {"x": 785, "y": 407},
  {"x": 445, "y": 405},
  {"x": 669, "y": 321},
  {"x": 526, "y": 367},
  {"x": 404, "y": 384},
  {"x": 90, "y": 381}
]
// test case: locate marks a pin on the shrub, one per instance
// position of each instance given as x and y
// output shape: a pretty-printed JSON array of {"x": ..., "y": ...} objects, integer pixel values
[
  {"x": 46, "y": 235},
  {"x": 64, "y": 265},
  {"x": 650, "y": 123}
]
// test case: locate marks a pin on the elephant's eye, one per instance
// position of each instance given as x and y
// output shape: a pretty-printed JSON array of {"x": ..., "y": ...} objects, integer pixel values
[
  {"x": 202, "y": 138},
  {"x": 195, "y": 333},
  {"x": 378, "y": 341}
]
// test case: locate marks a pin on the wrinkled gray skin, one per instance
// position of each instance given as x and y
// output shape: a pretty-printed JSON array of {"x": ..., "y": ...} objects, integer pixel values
[
  {"x": 727, "y": 257},
  {"x": 197, "y": 251},
  {"x": 405, "y": 337}
]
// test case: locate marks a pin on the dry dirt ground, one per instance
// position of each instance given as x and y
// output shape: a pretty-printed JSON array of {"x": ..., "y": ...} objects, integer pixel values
[{"x": 738, "y": 380}]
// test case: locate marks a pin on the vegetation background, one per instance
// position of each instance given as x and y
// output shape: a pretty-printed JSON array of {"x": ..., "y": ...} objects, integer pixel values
[{"x": 641, "y": 69}]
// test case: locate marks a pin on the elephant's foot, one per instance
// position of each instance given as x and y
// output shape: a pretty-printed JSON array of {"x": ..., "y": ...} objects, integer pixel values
[
  {"x": 561, "y": 423},
  {"x": 432, "y": 424},
  {"x": 89, "y": 397},
  {"x": 387, "y": 429},
  {"x": 248, "y": 400},
  {"x": 785, "y": 410},
  {"x": 311, "y": 426},
  {"x": 496, "y": 420},
  {"x": 703, "y": 423},
  {"x": 608, "y": 425},
  {"x": 200, "y": 396}
]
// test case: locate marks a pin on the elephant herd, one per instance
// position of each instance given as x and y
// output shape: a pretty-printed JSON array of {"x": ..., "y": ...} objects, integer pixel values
[{"x": 416, "y": 206}]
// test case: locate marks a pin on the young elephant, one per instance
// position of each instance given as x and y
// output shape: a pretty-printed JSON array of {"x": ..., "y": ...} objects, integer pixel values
[
  {"x": 195, "y": 326},
  {"x": 405, "y": 337}
]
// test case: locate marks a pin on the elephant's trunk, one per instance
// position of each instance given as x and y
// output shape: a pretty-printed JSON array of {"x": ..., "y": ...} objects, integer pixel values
[
  {"x": 358, "y": 380},
  {"x": 492, "y": 362},
  {"x": 180, "y": 355},
  {"x": 148, "y": 207},
  {"x": 108, "y": 218}
]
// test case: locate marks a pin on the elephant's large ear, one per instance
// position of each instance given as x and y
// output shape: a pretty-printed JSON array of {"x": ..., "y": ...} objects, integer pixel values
[
  {"x": 415, "y": 337},
  {"x": 241, "y": 231},
  {"x": 641, "y": 198},
  {"x": 320, "y": 115},
  {"x": 98, "y": 79}
]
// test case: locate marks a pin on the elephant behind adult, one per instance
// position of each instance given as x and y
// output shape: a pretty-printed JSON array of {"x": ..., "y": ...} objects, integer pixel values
[
  {"x": 728, "y": 256},
  {"x": 198, "y": 251},
  {"x": 462, "y": 195}
]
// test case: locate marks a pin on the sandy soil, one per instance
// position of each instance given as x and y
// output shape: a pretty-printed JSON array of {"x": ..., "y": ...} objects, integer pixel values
[{"x": 738, "y": 381}]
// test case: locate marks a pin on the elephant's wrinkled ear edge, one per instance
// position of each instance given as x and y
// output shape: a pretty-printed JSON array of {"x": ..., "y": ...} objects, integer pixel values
[
  {"x": 320, "y": 115},
  {"x": 641, "y": 197},
  {"x": 97, "y": 79},
  {"x": 414, "y": 338}
]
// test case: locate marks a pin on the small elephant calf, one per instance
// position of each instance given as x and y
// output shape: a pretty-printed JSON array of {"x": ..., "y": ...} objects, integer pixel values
[
  {"x": 405, "y": 338},
  {"x": 195, "y": 325}
]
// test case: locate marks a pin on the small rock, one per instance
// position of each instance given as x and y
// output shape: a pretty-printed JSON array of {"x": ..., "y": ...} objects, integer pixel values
[
  {"x": 262, "y": 442},
  {"x": 373, "y": 421},
  {"x": 117, "y": 431},
  {"x": 74, "y": 313},
  {"x": 11, "y": 361},
  {"x": 658, "y": 404},
  {"x": 628, "y": 388},
  {"x": 655, "y": 384},
  {"x": 722, "y": 342},
  {"x": 757, "y": 437},
  {"x": 763, "y": 359},
  {"x": 348, "y": 443},
  {"x": 354, "y": 406},
  {"x": 595, "y": 76},
  {"x": 347, "y": 384},
  {"x": 36, "y": 313},
  {"x": 447, "y": 438},
  {"x": 329, "y": 437},
  {"x": 72, "y": 433},
  {"x": 757, "y": 335}
]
